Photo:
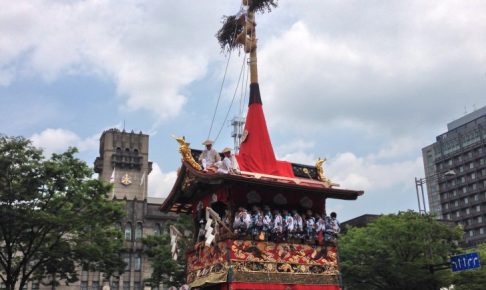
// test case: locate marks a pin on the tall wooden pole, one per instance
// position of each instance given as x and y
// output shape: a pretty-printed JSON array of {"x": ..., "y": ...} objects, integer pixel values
[{"x": 253, "y": 50}]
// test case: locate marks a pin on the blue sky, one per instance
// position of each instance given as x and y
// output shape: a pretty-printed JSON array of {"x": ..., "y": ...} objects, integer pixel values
[{"x": 366, "y": 84}]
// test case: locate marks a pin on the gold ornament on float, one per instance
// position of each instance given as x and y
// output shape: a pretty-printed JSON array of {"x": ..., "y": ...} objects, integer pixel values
[{"x": 185, "y": 151}]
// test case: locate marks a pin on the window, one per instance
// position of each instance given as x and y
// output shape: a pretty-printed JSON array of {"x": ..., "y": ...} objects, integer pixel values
[
  {"x": 474, "y": 186},
  {"x": 458, "y": 213},
  {"x": 466, "y": 200},
  {"x": 138, "y": 232},
  {"x": 476, "y": 197},
  {"x": 128, "y": 232},
  {"x": 138, "y": 262},
  {"x": 126, "y": 260},
  {"x": 35, "y": 285},
  {"x": 473, "y": 175},
  {"x": 126, "y": 285},
  {"x": 464, "y": 189},
  {"x": 136, "y": 286},
  {"x": 156, "y": 230},
  {"x": 480, "y": 219},
  {"x": 115, "y": 285},
  {"x": 481, "y": 231},
  {"x": 461, "y": 169},
  {"x": 471, "y": 165},
  {"x": 456, "y": 203},
  {"x": 478, "y": 208},
  {"x": 448, "y": 216},
  {"x": 84, "y": 285},
  {"x": 468, "y": 211},
  {"x": 471, "y": 233},
  {"x": 446, "y": 206},
  {"x": 95, "y": 285},
  {"x": 463, "y": 179}
]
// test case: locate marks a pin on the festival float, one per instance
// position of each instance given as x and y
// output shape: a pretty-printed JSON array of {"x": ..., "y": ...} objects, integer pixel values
[{"x": 262, "y": 224}]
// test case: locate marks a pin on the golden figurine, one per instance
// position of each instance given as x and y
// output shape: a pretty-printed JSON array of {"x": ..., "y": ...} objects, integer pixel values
[
  {"x": 185, "y": 151},
  {"x": 320, "y": 169},
  {"x": 320, "y": 173}
]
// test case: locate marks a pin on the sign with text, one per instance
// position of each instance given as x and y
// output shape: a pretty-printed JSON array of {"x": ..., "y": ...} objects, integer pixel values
[{"x": 465, "y": 262}]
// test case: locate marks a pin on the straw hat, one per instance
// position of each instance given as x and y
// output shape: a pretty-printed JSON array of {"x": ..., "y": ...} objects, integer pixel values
[
  {"x": 227, "y": 149},
  {"x": 208, "y": 142}
]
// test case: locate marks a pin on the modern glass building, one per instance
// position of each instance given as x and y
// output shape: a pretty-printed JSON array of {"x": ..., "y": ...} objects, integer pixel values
[{"x": 455, "y": 170}]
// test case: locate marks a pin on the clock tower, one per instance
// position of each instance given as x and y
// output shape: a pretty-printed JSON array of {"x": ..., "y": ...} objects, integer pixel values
[{"x": 124, "y": 162}]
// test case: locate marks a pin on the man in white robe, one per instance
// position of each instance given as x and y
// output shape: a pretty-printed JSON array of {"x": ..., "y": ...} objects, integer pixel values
[{"x": 209, "y": 156}]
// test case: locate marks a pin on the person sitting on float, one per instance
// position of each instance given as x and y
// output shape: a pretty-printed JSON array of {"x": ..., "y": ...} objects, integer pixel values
[
  {"x": 288, "y": 224},
  {"x": 256, "y": 222},
  {"x": 298, "y": 225},
  {"x": 209, "y": 156},
  {"x": 320, "y": 227},
  {"x": 332, "y": 227},
  {"x": 309, "y": 225},
  {"x": 242, "y": 222},
  {"x": 277, "y": 226},
  {"x": 228, "y": 164},
  {"x": 267, "y": 221}
]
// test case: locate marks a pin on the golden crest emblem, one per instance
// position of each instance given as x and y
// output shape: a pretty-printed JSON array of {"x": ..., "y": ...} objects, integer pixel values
[{"x": 126, "y": 180}]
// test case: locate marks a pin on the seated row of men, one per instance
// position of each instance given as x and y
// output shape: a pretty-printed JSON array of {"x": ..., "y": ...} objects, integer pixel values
[
  {"x": 278, "y": 226},
  {"x": 211, "y": 160}
]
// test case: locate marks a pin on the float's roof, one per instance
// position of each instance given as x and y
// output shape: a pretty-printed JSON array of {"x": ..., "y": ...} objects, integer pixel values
[{"x": 192, "y": 184}]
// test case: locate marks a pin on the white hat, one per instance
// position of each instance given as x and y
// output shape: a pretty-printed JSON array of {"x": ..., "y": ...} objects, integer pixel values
[
  {"x": 208, "y": 142},
  {"x": 227, "y": 149}
]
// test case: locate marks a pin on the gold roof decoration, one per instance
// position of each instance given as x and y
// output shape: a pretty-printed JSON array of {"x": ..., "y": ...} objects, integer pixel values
[
  {"x": 320, "y": 173},
  {"x": 185, "y": 151}
]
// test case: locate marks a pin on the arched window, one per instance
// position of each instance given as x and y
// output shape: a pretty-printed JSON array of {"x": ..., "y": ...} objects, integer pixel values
[
  {"x": 138, "y": 232},
  {"x": 128, "y": 232},
  {"x": 157, "y": 230}
]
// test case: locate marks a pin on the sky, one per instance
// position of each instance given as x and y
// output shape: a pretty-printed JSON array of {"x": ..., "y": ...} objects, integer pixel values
[{"x": 365, "y": 84}]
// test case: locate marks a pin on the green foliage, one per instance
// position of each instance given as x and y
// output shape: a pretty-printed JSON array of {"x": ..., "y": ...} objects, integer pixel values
[
  {"x": 262, "y": 5},
  {"x": 54, "y": 216},
  {"x": 227, "y": 34},
  {"x": 472, "y": 279},
  {"x": 158, "y": 250},
  {"x": 397, "y": 252}
]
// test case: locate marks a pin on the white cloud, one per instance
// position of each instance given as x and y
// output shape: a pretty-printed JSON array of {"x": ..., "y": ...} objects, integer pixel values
[
  {"x": 59, "y": 140},
  {"x": 392, "y": 68},
  {"x": 367, "y": 173},
  {"x": 151, "y": 50},
  {"x": 160, "y": 183},
  {"x": 388, "y": 168}
]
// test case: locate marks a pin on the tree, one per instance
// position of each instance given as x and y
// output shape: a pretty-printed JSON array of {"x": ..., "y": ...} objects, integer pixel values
[
  {"x": 54, "y": 217},
  {"x": 158, "y": 250},
  {"x": 398, "y": 251},
  {"x": 472, "y": 279}
]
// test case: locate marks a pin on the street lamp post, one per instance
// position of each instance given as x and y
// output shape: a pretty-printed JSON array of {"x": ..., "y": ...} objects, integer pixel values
[{"x": 419, "y": 188}]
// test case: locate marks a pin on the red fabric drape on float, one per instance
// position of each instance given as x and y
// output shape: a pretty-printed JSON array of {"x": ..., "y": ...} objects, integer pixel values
[
  {"x": 256, "y": 151},
  {"x": 265, "y": 286}
]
